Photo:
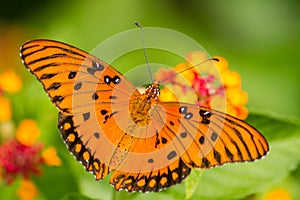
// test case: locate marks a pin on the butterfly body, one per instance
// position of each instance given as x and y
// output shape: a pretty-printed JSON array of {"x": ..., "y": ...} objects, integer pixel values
[
  {"x": 109, "y": 126},
  {"x": 139, "y": 110}
]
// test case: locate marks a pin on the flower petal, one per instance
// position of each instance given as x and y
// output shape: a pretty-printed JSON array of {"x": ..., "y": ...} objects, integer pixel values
[
  {"x": 27, "y": 190},
  {"x": 165, "y": 74},
  {"x": 10, "y": 81},
  {"x": 166, "y": 95},
  {"x": 27, "y": 132},
  {"x": 278, "y": 194},
  {"x": 50, "y": 156},
  {"x": 242, "y": 112},
  {"x": 186, "y": 76},
  {"x": 5, "y": 108},
  {"x": 231, "y": 79},
  {"x": 222, "y": 64},
  {"x": 236, "y": 96},
  {"x": 196, "y": 57}
]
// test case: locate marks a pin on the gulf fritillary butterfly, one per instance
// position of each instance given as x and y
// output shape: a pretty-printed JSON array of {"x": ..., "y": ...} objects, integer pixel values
[{"x": 109, "y": 126}]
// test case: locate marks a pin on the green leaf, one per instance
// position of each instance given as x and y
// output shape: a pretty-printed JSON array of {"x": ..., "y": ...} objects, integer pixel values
[
  {"x": 56, "y": 182},
  {"x": 76, "y": 196},
  {"x": 274, "y": 129},
  {"x": 192, "y": 182},
  {"x": 32, "y": 102},
  {"x": 9, "y": 191}
]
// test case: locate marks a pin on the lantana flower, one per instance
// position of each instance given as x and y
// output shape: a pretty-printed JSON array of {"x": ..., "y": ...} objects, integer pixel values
[
  {"x": 204, "y": 82},
  {"x": 5, "y": 108},
  {"x": 10, "y": 81},
  {"x": 23, "y": 157},
  {"x": 278, "y": 194}
]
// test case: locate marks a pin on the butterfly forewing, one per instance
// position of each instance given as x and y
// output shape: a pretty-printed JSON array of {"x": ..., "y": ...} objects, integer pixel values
[
  {"x": 70, "y": 75},
  {"x": 85, "y": 90}
]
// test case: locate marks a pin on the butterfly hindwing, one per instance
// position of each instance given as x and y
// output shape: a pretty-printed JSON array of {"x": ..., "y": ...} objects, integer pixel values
[
  {"x": 152, "y": 181},
  {"x": 76, "y": 146}
]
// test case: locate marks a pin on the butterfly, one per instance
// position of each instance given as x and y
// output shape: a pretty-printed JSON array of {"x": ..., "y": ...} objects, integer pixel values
[{"x": 109, "y": 126}]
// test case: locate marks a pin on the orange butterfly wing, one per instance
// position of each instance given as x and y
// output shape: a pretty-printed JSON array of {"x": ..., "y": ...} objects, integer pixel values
[
  {"x": 70, "y": 75},
  {"x": 106, "y": 125},
  {"x": 216, "y": 138}
]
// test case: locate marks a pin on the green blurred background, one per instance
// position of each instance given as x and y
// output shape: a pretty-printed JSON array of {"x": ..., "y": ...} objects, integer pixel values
[{"x": 260, "y": 40}]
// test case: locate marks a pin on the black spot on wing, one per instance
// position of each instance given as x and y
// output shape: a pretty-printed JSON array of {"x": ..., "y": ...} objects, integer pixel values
[
  {"x": 86, "y": 116},
  {"x": 54, "y": 86},
  {"x": 48, "y": 76},
  {"x": 202, "y": 139},
  {"x": 97, "y": 135},
  {"x": 78, "y": 86},
  {"x": 205, "y": 163},
  {"x": 72, "y": 75},
  {"x": 171, "y": 155},
  {"x": 95, "y": 96},
  {"x": 97, "y": 66},
  {"x": 217, "y": 156},
  {"x": 214, "y": 136}
]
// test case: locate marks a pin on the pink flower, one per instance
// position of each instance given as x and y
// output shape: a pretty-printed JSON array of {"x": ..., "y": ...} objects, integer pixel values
[
  {"x": 206, "y": 83},
  {"x": 18, "y": 159}
]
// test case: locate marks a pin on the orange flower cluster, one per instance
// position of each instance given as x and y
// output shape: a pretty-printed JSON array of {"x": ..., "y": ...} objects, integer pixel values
[
  {"x": 10, "y": 83},
  {"x": 278, "y": 194},
  {"x": 236, "y": 98},
  {"x": 20, "y": 154},
  {"x": 204, "y": 82}
]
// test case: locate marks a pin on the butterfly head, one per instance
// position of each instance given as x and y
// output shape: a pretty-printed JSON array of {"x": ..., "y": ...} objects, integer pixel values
[{"x": 152, "y": 91}]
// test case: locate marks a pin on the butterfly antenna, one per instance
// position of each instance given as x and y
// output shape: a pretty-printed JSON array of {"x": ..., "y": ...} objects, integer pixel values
[
  {"x": 144, "y": 48},
  {"x": 189, "y": 68}
]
